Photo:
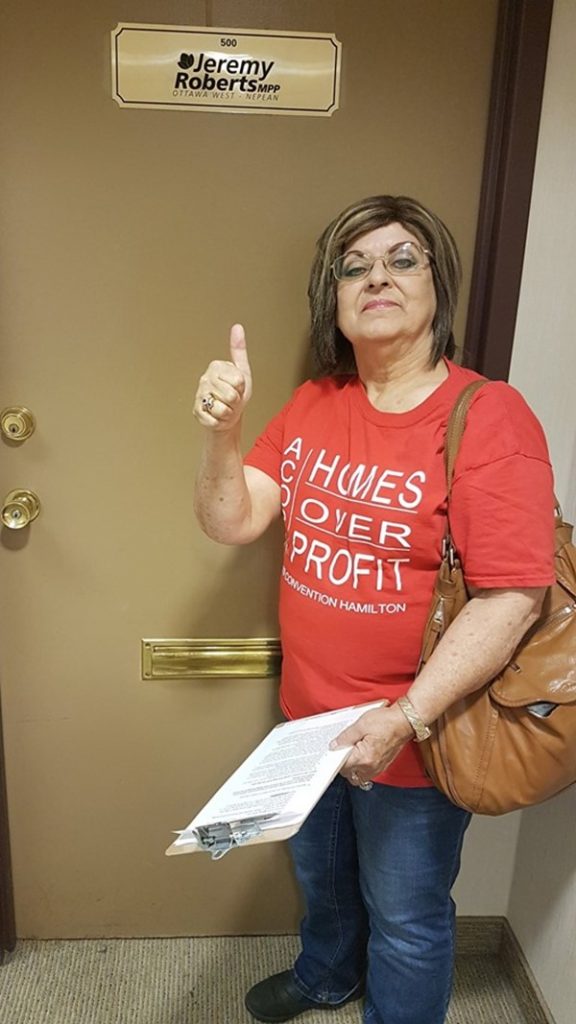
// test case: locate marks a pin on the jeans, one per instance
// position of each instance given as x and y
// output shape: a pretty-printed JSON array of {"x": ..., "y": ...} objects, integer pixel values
[{"x": 376, "y": 869}]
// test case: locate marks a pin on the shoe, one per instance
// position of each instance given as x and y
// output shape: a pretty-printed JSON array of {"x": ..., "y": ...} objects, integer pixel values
[{"x": 278, "y": 999}]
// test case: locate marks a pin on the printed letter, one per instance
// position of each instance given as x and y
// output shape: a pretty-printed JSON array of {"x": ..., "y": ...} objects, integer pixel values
[
  {"x": 322, "y": 511},
  {"x": 318, "y": 553},
  {"x": 420, "y": 475},
  {"x": 329, "y": 468},
  {"x": 394, "y": 531},
  {"x": 382, "y": 482}
]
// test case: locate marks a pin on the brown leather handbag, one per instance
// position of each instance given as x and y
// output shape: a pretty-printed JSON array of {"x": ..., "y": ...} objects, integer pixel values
[{"x": 512, "y": 743}]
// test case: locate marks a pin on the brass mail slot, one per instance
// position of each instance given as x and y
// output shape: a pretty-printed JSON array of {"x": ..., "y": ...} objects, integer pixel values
[{"x": 253, "y": 658}]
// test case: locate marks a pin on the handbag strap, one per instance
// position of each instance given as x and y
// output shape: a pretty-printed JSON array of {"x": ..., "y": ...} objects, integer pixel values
[
  {"x": 455, "y": 428},
  {"x": 454, "y": 432}
]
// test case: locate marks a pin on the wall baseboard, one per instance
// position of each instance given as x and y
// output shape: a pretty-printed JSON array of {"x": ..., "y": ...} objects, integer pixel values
[
  {"x": 479, "y": 935},
  {"x": 494, "y": 936}
]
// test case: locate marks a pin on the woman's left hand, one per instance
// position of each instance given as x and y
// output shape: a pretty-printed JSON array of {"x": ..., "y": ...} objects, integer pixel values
[{"x": 378, "y": 737}]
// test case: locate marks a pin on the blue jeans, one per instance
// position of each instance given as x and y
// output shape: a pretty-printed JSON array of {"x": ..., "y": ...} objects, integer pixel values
[{"x": 376, "y": 869}]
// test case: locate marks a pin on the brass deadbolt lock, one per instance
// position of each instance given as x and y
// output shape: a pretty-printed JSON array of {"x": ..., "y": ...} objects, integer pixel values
[
  {"x": 17, "y": 423},
  {"x": 19, "y": 509}
]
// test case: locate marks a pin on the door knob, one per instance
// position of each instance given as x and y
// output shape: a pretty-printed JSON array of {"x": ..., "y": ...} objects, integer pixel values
[
  {"x": 17, "y": 423},
  {"x": 19, "y": 509}
]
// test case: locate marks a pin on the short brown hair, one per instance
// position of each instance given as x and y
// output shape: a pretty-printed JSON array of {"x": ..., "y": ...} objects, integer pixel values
[{"x": 332, "y": 351}]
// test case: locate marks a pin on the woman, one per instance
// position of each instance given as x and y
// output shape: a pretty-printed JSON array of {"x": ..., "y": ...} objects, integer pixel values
[{"x": 354, "y": 464}]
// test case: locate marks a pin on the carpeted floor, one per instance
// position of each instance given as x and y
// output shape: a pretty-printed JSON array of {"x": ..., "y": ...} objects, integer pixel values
[{"x": 194, "y": 981}]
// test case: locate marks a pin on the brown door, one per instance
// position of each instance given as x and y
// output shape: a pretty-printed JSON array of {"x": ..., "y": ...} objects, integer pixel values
[{"x": 132, "y": 240}]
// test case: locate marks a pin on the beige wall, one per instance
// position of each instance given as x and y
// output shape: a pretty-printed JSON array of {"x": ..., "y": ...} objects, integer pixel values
[
  {"x": 542, "y": 907},
  {"x": 483, "y": 886}
]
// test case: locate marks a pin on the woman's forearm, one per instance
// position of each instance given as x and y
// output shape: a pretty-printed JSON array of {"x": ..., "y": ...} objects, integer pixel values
[
  {"x": 476, "y": 646},
  {"x": 234, "y": 504},
  {"x": 221, "y": 498}
]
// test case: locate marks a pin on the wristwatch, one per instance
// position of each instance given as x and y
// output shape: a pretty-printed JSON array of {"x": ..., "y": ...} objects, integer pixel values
[{"x": 421, "y": 730}]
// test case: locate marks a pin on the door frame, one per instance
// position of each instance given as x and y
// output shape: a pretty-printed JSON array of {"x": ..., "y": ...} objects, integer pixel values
[
  {"x": 7, "y": 919},
  {"x": 520, "y": 53},
  {"x": 518, "y": 75}
]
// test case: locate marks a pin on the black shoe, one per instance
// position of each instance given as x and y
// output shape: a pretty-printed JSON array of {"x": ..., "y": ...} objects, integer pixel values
[{"x": 278, "y": 999}]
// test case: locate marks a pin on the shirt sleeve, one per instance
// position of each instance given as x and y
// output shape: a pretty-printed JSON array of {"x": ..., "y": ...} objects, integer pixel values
[
  {"x": 502, "y": 504},
  {"x": 266, "y": 452}
]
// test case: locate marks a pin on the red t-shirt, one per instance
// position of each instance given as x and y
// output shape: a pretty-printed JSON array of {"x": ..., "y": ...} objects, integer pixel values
[{"x": 364, "y": 507}]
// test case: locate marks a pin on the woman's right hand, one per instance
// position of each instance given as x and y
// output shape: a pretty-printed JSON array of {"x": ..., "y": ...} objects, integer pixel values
[{"x": 225, "y": 388}]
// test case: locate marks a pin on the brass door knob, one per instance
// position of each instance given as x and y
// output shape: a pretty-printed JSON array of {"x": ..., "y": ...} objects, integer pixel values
[
  {"x": 17, "y": 423},
  {"x": 19, "y": 509}
]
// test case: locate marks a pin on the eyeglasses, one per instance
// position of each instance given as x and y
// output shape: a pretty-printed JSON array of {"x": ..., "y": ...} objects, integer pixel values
[{"x": 402, "y": 259}]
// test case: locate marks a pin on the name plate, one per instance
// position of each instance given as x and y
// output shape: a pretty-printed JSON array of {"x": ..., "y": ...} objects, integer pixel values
[{"x": 225, "y": 70}]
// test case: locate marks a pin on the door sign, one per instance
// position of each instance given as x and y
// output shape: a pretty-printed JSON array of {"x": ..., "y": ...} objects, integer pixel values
[{"x": 225, "y": 70}]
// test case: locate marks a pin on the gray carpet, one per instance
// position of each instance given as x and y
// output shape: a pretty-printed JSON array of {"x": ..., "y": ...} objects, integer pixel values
[{"x": 194, "y": 981}]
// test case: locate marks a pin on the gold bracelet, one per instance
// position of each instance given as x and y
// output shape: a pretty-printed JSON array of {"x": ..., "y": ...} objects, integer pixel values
[{"x": 421, "y": 730}]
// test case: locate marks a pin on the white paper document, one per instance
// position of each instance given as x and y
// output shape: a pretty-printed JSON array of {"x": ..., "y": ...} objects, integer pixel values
[{"x": 272, "y": 793}]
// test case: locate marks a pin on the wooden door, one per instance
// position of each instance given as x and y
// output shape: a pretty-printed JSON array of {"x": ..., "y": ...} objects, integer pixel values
[{"x": 132, "y": 240}]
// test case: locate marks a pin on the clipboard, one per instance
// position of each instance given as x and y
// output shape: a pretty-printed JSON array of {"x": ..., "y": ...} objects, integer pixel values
[{"x": 270, "y": 795}]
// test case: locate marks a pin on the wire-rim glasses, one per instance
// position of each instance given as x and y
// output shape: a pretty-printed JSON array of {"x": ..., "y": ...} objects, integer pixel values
[{"x": 400, "y": 260}]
